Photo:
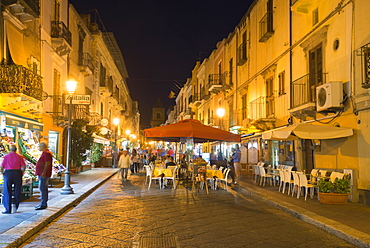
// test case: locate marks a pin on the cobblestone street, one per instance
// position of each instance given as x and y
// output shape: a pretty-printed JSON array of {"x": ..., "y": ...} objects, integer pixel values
[{"x": 126, "y": 214}]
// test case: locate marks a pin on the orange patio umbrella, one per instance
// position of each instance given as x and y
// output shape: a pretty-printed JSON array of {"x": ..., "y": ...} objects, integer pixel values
[{"x": 190, "y": 129}]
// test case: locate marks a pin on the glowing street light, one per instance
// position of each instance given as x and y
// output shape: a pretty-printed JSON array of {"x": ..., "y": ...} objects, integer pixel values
[
  {"x": 67, "y": 189},
  {"x": 220, "y": 112}
]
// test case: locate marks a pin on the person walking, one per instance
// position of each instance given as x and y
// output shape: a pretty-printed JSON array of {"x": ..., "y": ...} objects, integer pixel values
[
  {"x": 135, "y": 161},
  {"x": 43, "y": 171},
  {"x": 124, "y": 164},
  {"x": 12, "y": 168},
  {"x": 237, "y": 165}
]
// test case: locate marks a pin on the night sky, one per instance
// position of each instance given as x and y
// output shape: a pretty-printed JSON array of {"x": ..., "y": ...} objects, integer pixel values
[{"x": 161, "y": 40}]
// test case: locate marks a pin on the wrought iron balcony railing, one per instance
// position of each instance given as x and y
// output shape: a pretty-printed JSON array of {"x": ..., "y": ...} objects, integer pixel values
[
  {"x": 218, "y": 79},
  {"x": 365, "y": 52},
  {"x": 81, "y": 112},
  {"x": 257, "y": 108},
  {"x": 266, "y": 27},
  {"x": 304, "y": 89},
  {"x": 60, "y": 30},
  {"x": 18, "y": 79}
]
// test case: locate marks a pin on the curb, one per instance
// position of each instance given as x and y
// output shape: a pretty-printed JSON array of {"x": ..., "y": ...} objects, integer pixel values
[
  {"x": 348, "y": 234},
  {"x": 28, "y": 234}
]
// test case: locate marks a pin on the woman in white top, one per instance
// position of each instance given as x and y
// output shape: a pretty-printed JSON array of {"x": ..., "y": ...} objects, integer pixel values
[{"x": 124, "y": 164}]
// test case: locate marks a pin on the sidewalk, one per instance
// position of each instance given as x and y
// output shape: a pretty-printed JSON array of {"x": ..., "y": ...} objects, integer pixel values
[
  {"x": 351, "y": 222},
  {"x": 18, "y": 227}
]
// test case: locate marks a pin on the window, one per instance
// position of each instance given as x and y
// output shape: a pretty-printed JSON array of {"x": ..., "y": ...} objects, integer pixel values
[
  {"x": 231, "y": 71},
  {"x": 55, "y": 11},
  {"x": 101, "y": 109},
  {"x": 282, "y": 83},
  {"x": 270, "y": 108},
  {"x": 266, "y": 23},
  {"x": 365, "y": 52},
  {"x": 315, "y": 70},
  {"x": 242, "y": 51},
  {"x": 56, "y": 93},
  {"x": 159, "y": 116},
  {"x": 244, "y": 106},
  {"x": 103, "y": 74},
  {"x": 315, "y": 16}
]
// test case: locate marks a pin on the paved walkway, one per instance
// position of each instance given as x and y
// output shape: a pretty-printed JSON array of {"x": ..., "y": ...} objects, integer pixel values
[
  {"x": 18, "y": 227},
  {"x": 349, "y": 222}
]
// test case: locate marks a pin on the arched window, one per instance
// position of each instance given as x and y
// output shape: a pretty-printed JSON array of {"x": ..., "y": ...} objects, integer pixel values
[{"x": 159, "y": 116}]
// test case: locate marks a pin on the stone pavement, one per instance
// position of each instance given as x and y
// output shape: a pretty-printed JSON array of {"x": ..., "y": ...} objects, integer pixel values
[
  {"x": 17, "y": 227},
  {"x": 349, "y": 222}
]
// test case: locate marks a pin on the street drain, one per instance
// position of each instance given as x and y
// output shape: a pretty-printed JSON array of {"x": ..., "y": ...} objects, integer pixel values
[{"x": 158, "y": 242}]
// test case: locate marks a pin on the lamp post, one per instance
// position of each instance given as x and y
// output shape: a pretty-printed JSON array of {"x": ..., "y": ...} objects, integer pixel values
[
  {"x": 116, "y": 123},
  {"x": 220, "y": 113},
  {"x": 67, "y": 189}
]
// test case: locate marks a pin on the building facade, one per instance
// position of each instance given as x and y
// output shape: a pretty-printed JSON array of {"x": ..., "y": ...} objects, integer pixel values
[{"x": 291, "y": 64}]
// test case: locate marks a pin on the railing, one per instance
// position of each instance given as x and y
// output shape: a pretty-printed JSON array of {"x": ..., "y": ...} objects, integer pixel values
[
  {"x": 266, "y": 27},
  {"x": 365, "y": 52},
  {"x": 257, "y": 108},
  {"x": 18, "y": 79},
  {"x": 196, "y": 97},
  {"x": 241, "y": 54},
  {"x": 60, "y": 30},
  {"x": 218, "y": 79},
  {"x": 205, "y": 93},
  {"x": 81, "y": 112},
  {"x": 85, "y": 59},
  {"x": 304, "y": 89}
]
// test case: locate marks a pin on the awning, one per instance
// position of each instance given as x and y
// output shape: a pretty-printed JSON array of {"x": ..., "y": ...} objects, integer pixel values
[
  {"x": 307, "y": 131},
  {"x": 19, "y": 121},
  {"x": 100, "y": 140}
]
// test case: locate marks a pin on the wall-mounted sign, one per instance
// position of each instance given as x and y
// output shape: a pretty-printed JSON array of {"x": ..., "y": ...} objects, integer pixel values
[{"x": 78, "y": 99}]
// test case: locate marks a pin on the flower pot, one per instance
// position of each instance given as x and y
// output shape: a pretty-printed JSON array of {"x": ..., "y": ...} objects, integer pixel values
[{"x": 333, "y": 198}]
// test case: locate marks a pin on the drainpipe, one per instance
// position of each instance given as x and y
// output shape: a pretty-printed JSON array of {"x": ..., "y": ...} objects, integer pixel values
[{"x": 2, "y": 41}]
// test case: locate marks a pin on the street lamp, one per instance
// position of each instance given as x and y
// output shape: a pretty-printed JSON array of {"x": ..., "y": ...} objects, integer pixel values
[
  {"x": 116, "y": 123},
  {"x": 220, "y": 113},
  {"x": 67, "y": 189}
]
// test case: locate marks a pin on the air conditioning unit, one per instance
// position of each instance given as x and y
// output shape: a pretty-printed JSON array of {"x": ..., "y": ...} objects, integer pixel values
[{"x": 329, "y": 96}]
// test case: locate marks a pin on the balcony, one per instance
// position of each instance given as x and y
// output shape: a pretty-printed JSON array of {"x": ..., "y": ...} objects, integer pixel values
[
  {"x": 303, "y": 99},
  {"x": 86, "y": 64},
  {"x": 219, "y": 82},
  {"x": 241, "y": 54},
  {"x": 257, "y": 108},
  {"x": 195, "y": 100},
  {"x": 266, "y": 27},
  {"x": 260, "y": 113},
  {"x": 61, "y": 37},
  {"x": 20, "y": 81},
  {"x": 304, "y": 92}
]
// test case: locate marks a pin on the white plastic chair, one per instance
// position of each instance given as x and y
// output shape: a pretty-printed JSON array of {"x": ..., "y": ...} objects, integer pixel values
[
  {"x": 264, "y": 176},
  {"x": 159, "y": 178},
  {"x": 287, "y": 180},
  {"x": 173, "y": 177},
  {"x": 295, "y": 182},
  {"x": 226, "y": 175},
  {"x": 304, "y": 184},
  {"x": 148, "y": 172},
  {"x": 256, "y": 173},
  {"x": 313, "y": 175}
]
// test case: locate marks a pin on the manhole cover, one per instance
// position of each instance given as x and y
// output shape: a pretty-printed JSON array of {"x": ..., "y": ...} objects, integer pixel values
[{"x": 158, "y": 242}]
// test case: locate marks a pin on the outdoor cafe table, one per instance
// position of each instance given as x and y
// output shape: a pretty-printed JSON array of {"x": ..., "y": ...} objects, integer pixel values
[
  {"x": 212, "y": 173},
  {"x": 158, "y": 171}
]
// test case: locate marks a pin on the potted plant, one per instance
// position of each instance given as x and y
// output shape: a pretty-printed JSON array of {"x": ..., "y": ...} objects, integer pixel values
[{"x": 334, "y": 192}]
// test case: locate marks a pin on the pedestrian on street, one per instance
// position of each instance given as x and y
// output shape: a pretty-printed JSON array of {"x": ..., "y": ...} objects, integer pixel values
[
  {"x": 230, "y": 165},
  {"x": 135, "y": 161},
  {"x": 237, "y": 165},
  {"x": 124, "y": 164},
  {"x": 43, "y": 171},
  {"x": 12, "y": 168}
]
